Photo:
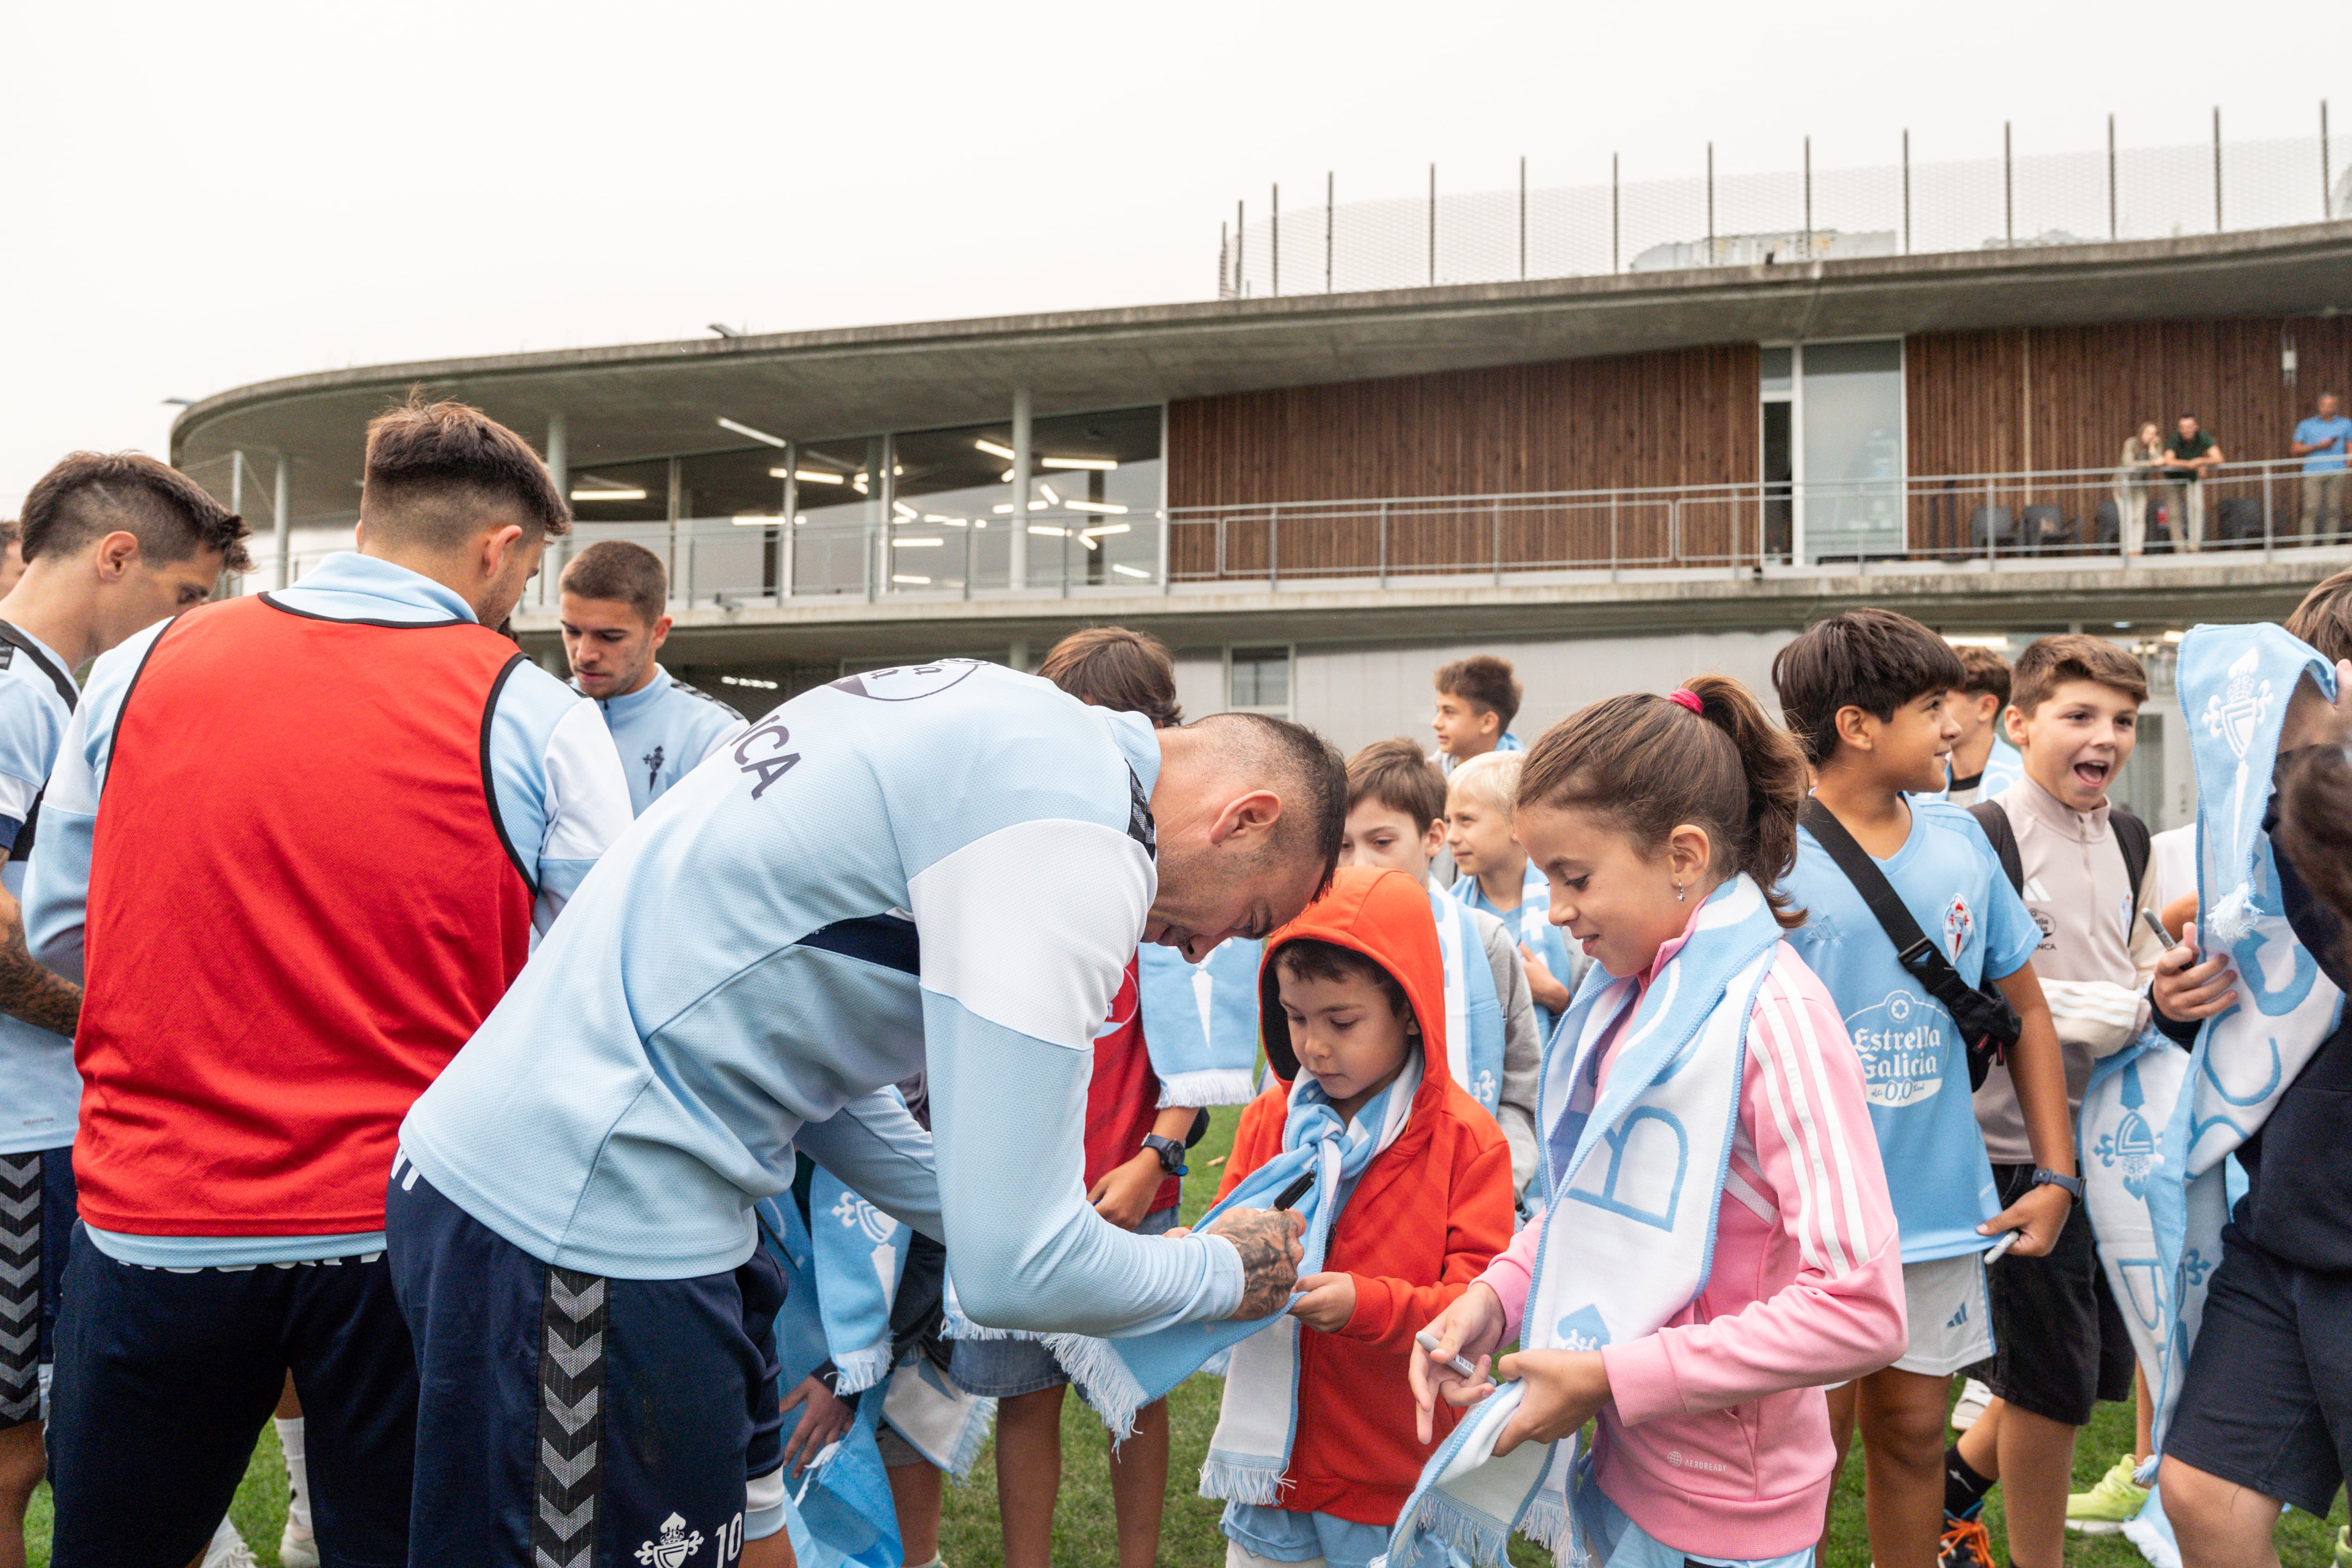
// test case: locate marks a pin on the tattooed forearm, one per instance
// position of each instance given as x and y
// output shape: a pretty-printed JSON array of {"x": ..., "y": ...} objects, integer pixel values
[
  {"x": 28, "y": 990},
  {"x": 1267, "y": 1241}
]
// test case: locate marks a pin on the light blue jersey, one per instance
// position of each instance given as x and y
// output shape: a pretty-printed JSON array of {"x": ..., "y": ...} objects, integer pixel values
[
  {"x": 663, "y": 730},
  {"x": 561, "y": 798},
  {"x": 942, "y": 866},
  {"x": 1914, "y": 1063},
  {"x": 40, "y": 1092},
  {"x": 1530, "y": 926}
]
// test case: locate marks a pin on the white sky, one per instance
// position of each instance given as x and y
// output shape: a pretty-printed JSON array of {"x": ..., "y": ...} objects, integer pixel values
[{"x": 202, "y": 195}]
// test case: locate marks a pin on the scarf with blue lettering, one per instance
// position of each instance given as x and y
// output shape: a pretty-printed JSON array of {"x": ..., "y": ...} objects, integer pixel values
[
  {"x": 1530, "y": 926},
  {"x": 1249, "y": 1450},
  {"x": 1633, "y": 1176},
  {"x": 1473, "y": 1013},
  {"x": 841, "y": 1503},
  {"x": 2157, "y": 1122},
  {"x": 1200, "y": 1021}
]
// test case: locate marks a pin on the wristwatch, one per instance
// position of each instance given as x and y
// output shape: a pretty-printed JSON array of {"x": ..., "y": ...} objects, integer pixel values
[
  {"x": 2071, "y": 1185},
  {"x": 1171, "y": 1153}
]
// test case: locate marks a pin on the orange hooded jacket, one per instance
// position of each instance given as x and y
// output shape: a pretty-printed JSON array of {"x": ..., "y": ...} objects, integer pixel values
[{"x": 1424, "y": 1218}]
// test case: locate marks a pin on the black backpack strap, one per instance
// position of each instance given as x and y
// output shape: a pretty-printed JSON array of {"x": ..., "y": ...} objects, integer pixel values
[
  {"x": 2004, "y": 834},
  {"x": 1919, "y": 957},
  {"x": 13, "y": 643},
  {"x": 2133, "y": 838}
]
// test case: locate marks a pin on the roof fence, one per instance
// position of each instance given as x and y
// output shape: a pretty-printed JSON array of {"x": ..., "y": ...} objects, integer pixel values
[{"x": 2022, "y": 199}]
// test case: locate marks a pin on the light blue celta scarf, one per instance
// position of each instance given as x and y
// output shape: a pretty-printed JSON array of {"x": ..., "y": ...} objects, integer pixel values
[
  {"x": 1250, "y": 1450},
  {"x": 860, "y": 1253},
  {"x": 1473, "y": 1014},
  {"x": 2157, "y": 1122},
  {"x": 1200, "y": 1021},
  {"x": 840, "y": 1506},
  {"x": 1633, "y": 1176}
]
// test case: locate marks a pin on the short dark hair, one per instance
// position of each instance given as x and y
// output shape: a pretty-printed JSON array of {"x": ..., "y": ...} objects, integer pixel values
[
  {"x": 1112, "y": 667},
  {"x": 1296, "y": 754},
  {"x": 2049, "y": 661},
  {"x": 2323, "y": 619},
  {"x": 90, "y": 495},
  {"x": 615, "y": 569},
  {"x": 1395, "y": 774},
  {"x": 1871, "y": 659},
  {"x": 1312, "y": 958},
  {"x": 435, "y": 468},
  {"x": 1485, "y": 680},
  {"x": 1987, "y": 673},
  {"x": 10, "y": 532}
]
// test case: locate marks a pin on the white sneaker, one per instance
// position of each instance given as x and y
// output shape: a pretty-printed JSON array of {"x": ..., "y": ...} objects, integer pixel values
[
  {"x": 228, "y": 1549},
  {"x": 1974, "y": 1397},
  {"x": 298, "y": 1547}
]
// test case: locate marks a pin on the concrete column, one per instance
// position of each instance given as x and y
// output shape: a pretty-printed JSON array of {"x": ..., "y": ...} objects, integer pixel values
[
  {"x": 1017, "y": 657},
  {"x": 784, "y": 541},
  {"x": 282, "y": 517},
  {"x": 558, "y": 467},
  {"x": 681, "y": 562},
  {"x": 1021, "y": 466}
]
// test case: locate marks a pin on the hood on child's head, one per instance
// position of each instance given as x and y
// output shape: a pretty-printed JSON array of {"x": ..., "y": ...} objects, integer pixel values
[{"x": 1385, "y": 915}]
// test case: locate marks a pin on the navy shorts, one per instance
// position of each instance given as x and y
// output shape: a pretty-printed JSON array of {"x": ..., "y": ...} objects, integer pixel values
[
  {"x": 37, "y": 1221},
  {"x": 165, "y": 1376},
  {"x": 570, "y": 1421},
  {"x": 2267, "y": 1402}
]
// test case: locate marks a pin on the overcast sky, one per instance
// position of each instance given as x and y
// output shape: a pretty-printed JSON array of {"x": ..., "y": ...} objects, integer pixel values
[{"x": 202, "y": 195}]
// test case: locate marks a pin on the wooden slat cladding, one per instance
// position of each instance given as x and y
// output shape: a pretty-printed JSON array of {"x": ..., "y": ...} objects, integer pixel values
[
  {"x": 1684, "y": 417},
  {"x": 1688, "y": 417},
  {"x": 2067, "y": 397}
]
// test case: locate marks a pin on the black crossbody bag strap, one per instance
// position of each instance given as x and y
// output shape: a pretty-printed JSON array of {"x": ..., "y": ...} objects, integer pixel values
[{"x": 1920, "y": 957}]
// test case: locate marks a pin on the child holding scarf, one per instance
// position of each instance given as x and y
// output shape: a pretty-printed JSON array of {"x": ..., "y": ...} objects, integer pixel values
[
  {"x": 1411, "y": 1196},
  {"x": 1707, "y": 1063}
]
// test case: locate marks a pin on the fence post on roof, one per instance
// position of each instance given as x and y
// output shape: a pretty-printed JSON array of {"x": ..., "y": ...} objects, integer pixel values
[
  {"x": 1906, "y": 190},
  {"x": 2008, "y": 188},
  {"x": 1433, "y": 226},
  {"x": 2327, "y": 174},
  {"x": 1523, "y": 217},
  {"x": 1278, "y": 237},
  {"x": 1809, "y": 198},
  {"x": 2216, "y": 168},
  {"x": 1612, "y": 213},
  {"x": 2112, "y": 231},
  {"x": 1330, "y": 190},
  {"x": 1711, "y": 257}
]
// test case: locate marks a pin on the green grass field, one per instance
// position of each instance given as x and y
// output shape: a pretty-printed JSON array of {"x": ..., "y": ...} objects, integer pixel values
[{"x": 1084, "y": 1533}]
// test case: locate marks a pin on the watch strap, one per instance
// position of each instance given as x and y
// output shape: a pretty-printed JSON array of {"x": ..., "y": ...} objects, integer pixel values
[
  {"x": 2071, "y": 1185},
  {"x": 1171, "y": 1153}
]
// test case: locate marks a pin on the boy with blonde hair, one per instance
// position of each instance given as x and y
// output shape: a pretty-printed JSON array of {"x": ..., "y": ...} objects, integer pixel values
[{"x": 1495, "y": 878}]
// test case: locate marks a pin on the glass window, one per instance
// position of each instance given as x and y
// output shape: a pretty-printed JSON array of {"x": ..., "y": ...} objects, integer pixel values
[
  {"x": 1775, "y": 366},
  {"x": 731, "y": 524},
  {"x": 836, "y": 512},
  {"x": 1094, "y": 498},
  {"x": 1852, "y": 438},
  {"x": 951, "y": 514},
  {"x": 1260, "y": 679}
]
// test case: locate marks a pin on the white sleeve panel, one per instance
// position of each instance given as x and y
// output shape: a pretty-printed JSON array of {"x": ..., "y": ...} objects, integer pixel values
[
  {"x": 1032, "y": 925},
  {"x": 587, "y": 793}
]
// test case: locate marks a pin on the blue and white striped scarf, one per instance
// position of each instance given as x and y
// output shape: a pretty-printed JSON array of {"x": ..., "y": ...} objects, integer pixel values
[
  {"x": 1249, "y": 1450},
  {"x": 1628, "y": 1237},
  {"x": 2153, "y": 1154},
  {"x": 1200, "y": 1021}
]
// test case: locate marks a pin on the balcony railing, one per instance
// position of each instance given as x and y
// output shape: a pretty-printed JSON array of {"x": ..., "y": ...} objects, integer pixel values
[{"x": 2070, "y": 518}]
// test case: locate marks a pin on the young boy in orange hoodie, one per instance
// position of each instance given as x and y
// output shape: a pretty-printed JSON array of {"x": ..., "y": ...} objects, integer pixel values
[{"x": 1354, "y": 1021}]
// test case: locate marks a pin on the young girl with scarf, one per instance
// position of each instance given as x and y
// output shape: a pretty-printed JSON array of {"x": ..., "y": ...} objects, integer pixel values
[
  {"x": 1707, "y": 1063},
  {"x": 1314, "y": 1449}
]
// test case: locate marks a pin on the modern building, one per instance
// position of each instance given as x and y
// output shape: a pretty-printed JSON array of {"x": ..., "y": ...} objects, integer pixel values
[{"x": 1615, "y": 480}]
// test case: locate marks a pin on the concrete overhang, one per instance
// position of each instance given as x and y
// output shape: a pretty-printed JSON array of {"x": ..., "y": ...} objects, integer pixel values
[
  {"x": 657, "y": 399},
  {"x": 1963, "y": 597}
]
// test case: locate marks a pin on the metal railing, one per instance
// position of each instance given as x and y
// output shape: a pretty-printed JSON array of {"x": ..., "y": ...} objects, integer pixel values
[
  {"x": 1694, "y": 217},
  {"x": 2080, "y": 518}
]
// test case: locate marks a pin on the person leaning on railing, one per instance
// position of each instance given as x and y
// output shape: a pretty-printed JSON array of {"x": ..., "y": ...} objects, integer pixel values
[
  {"x": 2187, "y": 456},
  {"x": 2142, "y": 452},
  {"x": 2320, "y": 441}
]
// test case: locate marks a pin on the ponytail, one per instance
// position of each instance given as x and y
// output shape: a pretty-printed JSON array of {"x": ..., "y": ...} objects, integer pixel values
[{"x": 1706, "y": 756}]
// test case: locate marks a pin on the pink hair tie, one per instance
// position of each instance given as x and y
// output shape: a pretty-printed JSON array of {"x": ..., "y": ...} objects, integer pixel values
[{"x": 1687, "y": 697}]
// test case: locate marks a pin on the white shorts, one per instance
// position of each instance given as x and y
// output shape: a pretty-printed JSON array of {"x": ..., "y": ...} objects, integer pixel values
[{"x": 1950, "y": 1314}]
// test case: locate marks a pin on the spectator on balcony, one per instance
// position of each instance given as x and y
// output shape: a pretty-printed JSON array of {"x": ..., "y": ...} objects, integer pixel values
[
  {"x": 2189, "y": 456},
  {"x": 2134, "y": 478},
  {"x": 2320, "y": 441}
]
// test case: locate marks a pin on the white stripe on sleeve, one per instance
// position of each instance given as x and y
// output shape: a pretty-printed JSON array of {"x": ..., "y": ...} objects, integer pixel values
[
  {"x": 1849, "y": 1193},
  {"x": 1785, "y": 1087},
  {"x": 1031, "y": 926},
  {"x": 587, "y": 793}
]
